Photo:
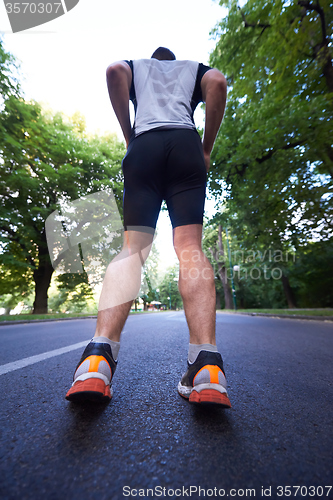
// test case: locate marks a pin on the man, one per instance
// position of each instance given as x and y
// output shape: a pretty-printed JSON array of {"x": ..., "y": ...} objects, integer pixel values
[{"x": 165, "y": 160}]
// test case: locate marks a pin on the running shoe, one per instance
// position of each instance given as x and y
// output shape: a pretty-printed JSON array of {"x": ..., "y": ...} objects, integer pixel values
[
  {"x": 93, "y": 375},
  {"x": 204, "y": 381}
]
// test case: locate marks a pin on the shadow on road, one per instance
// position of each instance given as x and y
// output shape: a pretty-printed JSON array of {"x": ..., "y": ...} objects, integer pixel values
[
  {"x": 212, "y": 419},
  {"x": 87, "y": 412}
]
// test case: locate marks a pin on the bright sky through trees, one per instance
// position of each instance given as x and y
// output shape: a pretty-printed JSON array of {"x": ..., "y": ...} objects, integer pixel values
[{"x": 64, "y": 61}]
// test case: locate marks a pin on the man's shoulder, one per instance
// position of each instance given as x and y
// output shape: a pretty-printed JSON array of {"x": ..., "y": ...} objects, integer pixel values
[
  {"x": 157, "y": 62},
  {"x": 170, "y": 69}
]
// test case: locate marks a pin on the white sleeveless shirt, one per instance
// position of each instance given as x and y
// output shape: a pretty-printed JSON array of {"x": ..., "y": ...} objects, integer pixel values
[{"x": 163, "y": 94}]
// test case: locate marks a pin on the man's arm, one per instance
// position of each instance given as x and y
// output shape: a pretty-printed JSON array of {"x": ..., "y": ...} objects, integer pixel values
[
  {"x": 214, "y": 93},
  {"x": 119, "y": 79}
]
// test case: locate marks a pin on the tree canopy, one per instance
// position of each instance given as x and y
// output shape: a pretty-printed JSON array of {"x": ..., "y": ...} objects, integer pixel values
[
  {"x": 273, "y": 158},
  {"x": 45, "y": 160},
  {"x": 9, "y": 81}
]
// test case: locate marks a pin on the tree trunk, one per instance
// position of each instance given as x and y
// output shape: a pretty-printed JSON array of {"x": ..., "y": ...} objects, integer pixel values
[
  {"x": 219, "y": 255},
  {"x": 288, "y": 292},
  {"x": 228, "y": 302},
  {"x": 240, "y": 295},
  {"x": 42, "y": 278},
  {"x": 328, "y": 70},
  {"x": 218, "y": 300}
]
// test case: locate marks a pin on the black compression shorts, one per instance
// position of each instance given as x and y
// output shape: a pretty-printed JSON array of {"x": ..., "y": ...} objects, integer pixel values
[{"x": 165, "y": 164}]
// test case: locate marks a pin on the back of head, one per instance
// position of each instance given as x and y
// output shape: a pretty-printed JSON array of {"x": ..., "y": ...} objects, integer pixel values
[{"x": 163, "y": 54}]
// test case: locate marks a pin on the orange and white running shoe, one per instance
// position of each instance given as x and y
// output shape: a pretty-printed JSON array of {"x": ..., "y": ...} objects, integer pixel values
[
  {"x": 93, "y": 375},
  {"x": 204, "y": 381}
]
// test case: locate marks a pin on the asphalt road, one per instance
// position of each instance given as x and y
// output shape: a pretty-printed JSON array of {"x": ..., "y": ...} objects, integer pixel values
[{"x": 149, "y": 442}]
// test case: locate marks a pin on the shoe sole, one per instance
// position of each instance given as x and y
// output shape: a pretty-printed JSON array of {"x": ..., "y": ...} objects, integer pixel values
[
  {"x": 92, "y": 389},
  {"x": 210, "y": 396}
]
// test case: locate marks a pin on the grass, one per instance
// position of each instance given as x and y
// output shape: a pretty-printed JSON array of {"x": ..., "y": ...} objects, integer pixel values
[
  {"x": 29, "y": 317},
  {"x": 289, "y": 312}
]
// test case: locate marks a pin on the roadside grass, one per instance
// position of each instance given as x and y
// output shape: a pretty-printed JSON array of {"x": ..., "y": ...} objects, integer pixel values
[
  {"x": 29, "y": 317},
  {"x": 287, "y": 312}
]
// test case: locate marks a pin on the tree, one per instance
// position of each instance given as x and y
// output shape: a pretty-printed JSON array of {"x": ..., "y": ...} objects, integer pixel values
[
  {"x": 15, "y": 280},
  {"x": 168, "y": 289},
  {"x": 9, "y": 69},
  {"x": 311, "y": 276},
  {"x": 148, "y": 292},
  {"x": 47, "y": 160},
  {"x": 256, "y": 273},
  {"x": 74, "y": 292},
  {"x": 274, "y": 151},
  {"x": 215, "y": 251},
  {"x": 277, "y": 57}
]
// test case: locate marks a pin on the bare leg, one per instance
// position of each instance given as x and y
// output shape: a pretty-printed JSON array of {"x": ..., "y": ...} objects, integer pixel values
[
  {"x": 196, "y": 284},
  {"x": 93, "y": 376},
  {"x": 121, "y": 284}
]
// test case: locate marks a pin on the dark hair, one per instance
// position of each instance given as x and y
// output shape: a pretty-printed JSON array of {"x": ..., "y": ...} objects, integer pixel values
[{"x": 163, "y": 54}]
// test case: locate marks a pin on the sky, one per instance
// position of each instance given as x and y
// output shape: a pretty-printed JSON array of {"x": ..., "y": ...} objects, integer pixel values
[{"x": 63, "y": 62}]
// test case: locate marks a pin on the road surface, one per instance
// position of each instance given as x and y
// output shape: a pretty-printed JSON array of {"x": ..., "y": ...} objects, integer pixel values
[{"x": 149, "y": 442}]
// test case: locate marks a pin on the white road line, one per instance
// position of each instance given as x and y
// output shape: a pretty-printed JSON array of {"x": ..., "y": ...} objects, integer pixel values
[{"x": 21, "y": 363}]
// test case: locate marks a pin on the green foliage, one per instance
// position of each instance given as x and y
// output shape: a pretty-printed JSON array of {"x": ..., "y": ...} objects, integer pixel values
[
  {"x": 148, "y": 292},
  {"x": 168, "y": 289},
  {"x": 278, "y": 123},
  {"x": 257, "y": 277},
  {"x": 273, "y": 158},
  {"x": 9, "y": 84},
  {"x": 74, "y": 293},
  {"x": 312, "y": 274},
  {"x": 45, "y": 160},
  {"x": 15, "y": 275}
]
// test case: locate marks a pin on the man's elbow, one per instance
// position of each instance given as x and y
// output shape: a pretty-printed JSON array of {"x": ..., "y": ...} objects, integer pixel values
[
  {"x": 113, "y": 71},
  {"x": 218, "y": 83},
  {"x": 222, "y": 83},
  {"x": 118, "y": 73},
  {"x": 215, "y": 83}
]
